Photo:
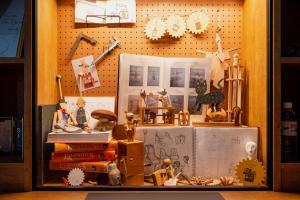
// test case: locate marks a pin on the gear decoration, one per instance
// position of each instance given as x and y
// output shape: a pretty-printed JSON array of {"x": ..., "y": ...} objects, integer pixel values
[
  {"x": 250, "y": 172},
  {"x": 176, "y": 26},
  {"x": 155, "y": 28},
  {"x": 76, "y": 177},
  {"x": 198, "y": 22}
]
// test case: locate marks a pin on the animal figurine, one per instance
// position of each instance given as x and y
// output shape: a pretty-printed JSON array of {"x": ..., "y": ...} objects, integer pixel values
[{"x": 214, "y": 98}]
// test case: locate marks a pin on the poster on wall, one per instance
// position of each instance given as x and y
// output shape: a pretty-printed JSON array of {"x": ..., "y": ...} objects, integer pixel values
[
  {"x": 153, "y": 74},
  {"x": 105, "y": 12},
  {"x": 88, "y": 71}
]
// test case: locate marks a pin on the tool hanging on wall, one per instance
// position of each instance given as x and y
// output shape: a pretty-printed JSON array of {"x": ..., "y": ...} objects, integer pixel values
[
  {"x": 75, "y": 45},
  {"x": 111, "y": 45}
]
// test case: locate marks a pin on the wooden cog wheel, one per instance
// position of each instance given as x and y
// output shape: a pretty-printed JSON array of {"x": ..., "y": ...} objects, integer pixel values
[{"x": 251, "y": 172}]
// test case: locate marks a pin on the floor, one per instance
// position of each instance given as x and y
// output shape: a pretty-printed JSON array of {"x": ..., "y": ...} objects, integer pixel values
[{"x": 228, "y": 195}]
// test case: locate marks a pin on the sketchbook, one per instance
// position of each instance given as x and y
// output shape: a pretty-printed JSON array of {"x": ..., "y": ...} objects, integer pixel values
[
  {"x": 152, "y": 74},
  {"x": 105, "y": 12},
  {"x": 209, "y": 152}
]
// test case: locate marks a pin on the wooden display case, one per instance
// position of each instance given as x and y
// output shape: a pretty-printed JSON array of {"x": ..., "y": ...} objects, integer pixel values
[{"x": 244, "y": 26}]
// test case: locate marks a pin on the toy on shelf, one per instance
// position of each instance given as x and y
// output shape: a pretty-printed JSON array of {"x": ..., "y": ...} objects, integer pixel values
[
  {"x": 130, "y": 125},
  {"x": 63, "y": 120},
  {"x": 114, "y": 175},
  {"x": 80, "y": 115},
  {"x": 235, "y": 82},
  {"x": 149, "y": 115},
  {"x": 251, "y": 150},
  {"x": 106, "y": 119},
  {"x": 184, "y": 118},
  {"x": 214, "y": 98},
  {"x": 218, "y": 57},
  {"x": 75, "y": 45}
]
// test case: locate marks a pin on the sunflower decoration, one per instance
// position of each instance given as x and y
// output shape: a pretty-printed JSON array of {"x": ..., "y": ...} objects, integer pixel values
[
  {"x": 250, "y": 172},
  {"x": 176, "y": 26},
  {"x": 155, "y": 28},
  {"x": 198, "y": 22}
]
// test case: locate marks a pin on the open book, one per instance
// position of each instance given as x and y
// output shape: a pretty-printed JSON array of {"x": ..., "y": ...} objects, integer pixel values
[
  {"x": 152, "y": 74},
  {"x": 208, "y": 152}
]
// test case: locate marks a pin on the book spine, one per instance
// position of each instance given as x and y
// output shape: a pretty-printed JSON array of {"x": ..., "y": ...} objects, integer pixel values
[
  {"x": 83, "y": 156},
  {"x": 99, "y": 167},
  {"x": 19, "y": 137},
  {"x": 83, "y": 147}
]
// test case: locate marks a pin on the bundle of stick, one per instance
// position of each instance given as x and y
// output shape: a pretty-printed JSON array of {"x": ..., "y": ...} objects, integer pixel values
[{"x": 235, "y": 87}]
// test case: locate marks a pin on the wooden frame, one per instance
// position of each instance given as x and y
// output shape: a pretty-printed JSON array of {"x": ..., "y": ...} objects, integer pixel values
[{"x": 253, "y": 55}]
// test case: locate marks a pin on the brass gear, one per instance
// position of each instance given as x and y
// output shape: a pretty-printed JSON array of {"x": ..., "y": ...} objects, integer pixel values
[{"x": 250, "y": 172}]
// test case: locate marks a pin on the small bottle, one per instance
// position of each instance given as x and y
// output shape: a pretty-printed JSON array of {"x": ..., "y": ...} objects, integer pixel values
[{"x": 289, "y": 133}]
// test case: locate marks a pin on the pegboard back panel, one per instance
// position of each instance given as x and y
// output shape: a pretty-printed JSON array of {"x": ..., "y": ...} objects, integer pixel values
[{"x": 133, "y": 39}]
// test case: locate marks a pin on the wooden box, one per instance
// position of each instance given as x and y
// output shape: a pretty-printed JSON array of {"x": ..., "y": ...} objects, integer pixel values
[{"x": 131, "y": 157}]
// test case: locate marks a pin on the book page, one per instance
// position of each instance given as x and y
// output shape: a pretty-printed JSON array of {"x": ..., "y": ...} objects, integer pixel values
[
  {"x": 136, "y": 73},
  {"x": 153, "y": 74},
  {"x": 218, "y": 150}
]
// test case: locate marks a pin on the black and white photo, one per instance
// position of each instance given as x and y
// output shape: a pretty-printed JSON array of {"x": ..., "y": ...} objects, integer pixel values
[
  {"x": 153, "y": 76},
  {"x": 196, "y": 74},
  {"x": 134, "y": 102},
  {"x": 136, "y": 75},
  {"x": 177, "y": 101},
  {"x": 177, "y": 77}
]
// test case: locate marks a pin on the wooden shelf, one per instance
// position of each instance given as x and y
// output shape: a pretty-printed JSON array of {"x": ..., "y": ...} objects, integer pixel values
[
  {"x": 10, "y": 158},
  {"x": 12, "y": 60},
  {"x": 290, "y": 60}
]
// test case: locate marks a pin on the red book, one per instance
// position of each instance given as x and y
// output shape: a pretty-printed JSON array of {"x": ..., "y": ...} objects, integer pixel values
[
  {"x": 83, "y": 147},
  {"x": 83, "y": 156},
  {"x": 99, "y": 167}
]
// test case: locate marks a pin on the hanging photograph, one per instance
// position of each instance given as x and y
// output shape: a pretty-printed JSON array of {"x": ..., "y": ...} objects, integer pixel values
[
  {"x": 177, "y": 101},
  {"x": 136, "y": 75},
  {"x": 196, "y": 74},
  {"x": 177, "y": 77},
  {"x": 153, "y": 76},
  {"x": 134, "y": 102},
  {"x": 89, "y": 73}
]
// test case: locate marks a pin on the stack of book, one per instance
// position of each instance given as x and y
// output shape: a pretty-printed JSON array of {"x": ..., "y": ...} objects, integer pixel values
[{"x": 88, "y": 152}]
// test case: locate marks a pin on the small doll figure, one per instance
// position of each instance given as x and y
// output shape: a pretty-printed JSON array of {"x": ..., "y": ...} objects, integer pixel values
[
  {"x": 130, "y": 126},
  {"x": 63, "y": 119},
  {"x": 80, "y": 116}
]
